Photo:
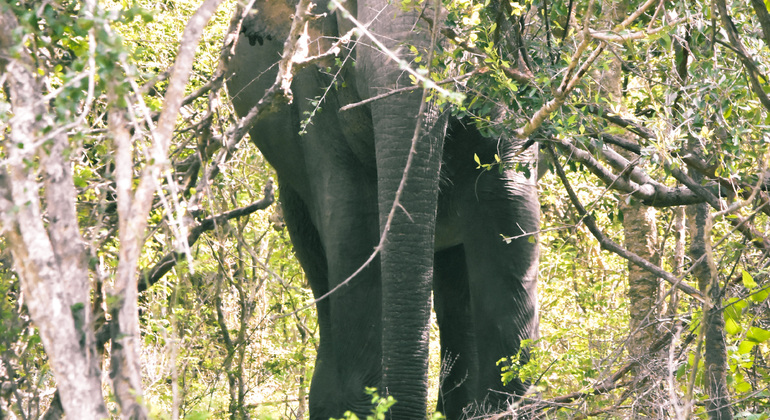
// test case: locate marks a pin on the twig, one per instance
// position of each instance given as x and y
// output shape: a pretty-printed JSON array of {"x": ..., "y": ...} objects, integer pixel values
[{"x": 406, "y": 89}]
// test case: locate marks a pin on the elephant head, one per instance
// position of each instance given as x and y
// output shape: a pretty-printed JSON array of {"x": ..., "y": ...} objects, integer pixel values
[{"x": 369, "y": 179}]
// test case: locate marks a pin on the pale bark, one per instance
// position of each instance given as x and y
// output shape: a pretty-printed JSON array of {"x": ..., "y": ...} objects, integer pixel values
[
  {"x": 133, "y": 211},
  {"x": 49, "y": 257}
]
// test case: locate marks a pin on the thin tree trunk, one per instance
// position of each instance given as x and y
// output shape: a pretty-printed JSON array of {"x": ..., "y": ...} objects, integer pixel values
[
  {"x": 715, "y": 351},
  {"x": 640, "y": 231},
  {"x": 48, "y": 256}
]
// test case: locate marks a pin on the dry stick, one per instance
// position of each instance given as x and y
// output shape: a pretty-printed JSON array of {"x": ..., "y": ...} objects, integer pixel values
[
  {"x": 406, "y": 89},
  {"x": 610, "y": 245}
]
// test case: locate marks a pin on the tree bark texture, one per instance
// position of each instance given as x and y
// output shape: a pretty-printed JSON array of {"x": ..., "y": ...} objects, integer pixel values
[
  {"x": 49, "y": 257},
  {"x": 700, "y": 251},
  {"x": 640, "y": 231}
]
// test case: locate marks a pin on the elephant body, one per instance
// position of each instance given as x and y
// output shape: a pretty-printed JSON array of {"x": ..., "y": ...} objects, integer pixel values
[{"x": 337, "y": 184}]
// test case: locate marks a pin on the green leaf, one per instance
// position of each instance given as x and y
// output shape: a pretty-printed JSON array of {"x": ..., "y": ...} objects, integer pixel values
[
  {"x": 759, "y": 296},
  {"x": 748, "y": 281},
  {"x": 743, "y": 387},
  {"x": 733, "y": 312},
  {"x": 732, "y": 327},
  {"x": 757, "y": 335},
  {"x": 729, "y": 111},
  {"x": 746, "y": 346}
]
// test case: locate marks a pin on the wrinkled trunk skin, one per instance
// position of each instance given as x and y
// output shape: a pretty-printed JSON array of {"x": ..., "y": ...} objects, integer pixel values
[{"x": 407, "y": 255}]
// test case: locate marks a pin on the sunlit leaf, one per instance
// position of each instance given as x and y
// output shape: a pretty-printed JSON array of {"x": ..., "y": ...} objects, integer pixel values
[
  {"x": 748, "y": 281},
  {"x": 757, "y": 335},
  {"x": 732, "y": 327}
]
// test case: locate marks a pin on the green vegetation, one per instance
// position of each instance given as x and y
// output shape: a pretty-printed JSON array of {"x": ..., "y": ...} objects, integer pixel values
[{"x": 228, "y": 331}]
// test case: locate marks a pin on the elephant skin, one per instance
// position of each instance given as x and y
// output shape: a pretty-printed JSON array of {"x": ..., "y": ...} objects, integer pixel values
[{"x": 337, "y": 184}]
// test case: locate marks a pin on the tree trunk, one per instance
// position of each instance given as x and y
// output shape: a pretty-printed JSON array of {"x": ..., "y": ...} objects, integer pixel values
[
  {"x": 640, "y": 231},
  {"x": 49, "y": 257},
  {"x": 715, "y": 351}
]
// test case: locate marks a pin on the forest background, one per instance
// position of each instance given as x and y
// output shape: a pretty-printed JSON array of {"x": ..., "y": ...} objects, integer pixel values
[{"x": 141, "y": 249}]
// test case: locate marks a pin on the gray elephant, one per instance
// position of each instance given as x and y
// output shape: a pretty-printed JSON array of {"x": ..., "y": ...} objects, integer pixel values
[{"x": 338, "y": 181}]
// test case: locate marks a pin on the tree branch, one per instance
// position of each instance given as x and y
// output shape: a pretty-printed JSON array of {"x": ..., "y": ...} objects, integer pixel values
[
  {"x": 153, "y": 275},
  {"x": 741, "y": 223},
  {"x": 751, "y": 68},
  {"x": 631, "y": 180},
  {"x": 764, "y": 19},
  {"x": 611, "y": 246}
]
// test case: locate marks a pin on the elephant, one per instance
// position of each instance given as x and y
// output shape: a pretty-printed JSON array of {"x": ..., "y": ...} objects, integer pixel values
[{"x": 339, "y": 172}]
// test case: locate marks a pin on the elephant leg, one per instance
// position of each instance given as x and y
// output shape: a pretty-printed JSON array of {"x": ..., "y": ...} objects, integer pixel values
[
  {"x": 503, "y": 276},
  {"x": 355, "y": 309},
  {"x": 451, "y": 300},
  {"x": 343, "y": 192},
  {"x": 310, "y": 253}
]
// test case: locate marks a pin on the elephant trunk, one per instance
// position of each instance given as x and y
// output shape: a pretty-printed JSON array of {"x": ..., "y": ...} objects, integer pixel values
[
  {"x": 407, "y": 253},
  {"x": 407, "y": 268}
]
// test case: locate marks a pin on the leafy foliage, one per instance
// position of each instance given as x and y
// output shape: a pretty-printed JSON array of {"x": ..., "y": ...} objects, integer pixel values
[{"x": 227, "y": 333}]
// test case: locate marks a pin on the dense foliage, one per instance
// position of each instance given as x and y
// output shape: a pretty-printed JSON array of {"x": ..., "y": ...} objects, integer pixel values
[{"x": 227, "y": 329}]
